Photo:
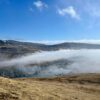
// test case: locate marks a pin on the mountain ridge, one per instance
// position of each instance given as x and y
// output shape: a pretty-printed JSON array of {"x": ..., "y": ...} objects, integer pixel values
[{"x": 12, "y": 48}]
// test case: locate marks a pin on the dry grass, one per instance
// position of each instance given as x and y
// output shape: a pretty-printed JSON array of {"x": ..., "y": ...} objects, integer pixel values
[{"x": 82, "y": 87}]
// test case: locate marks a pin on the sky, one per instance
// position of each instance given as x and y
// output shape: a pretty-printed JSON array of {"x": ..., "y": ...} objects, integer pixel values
[{"x": 50, "y": 20}]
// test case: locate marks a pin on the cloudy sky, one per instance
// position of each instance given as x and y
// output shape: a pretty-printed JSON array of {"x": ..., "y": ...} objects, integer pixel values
[{"x": 50, "y": 20}]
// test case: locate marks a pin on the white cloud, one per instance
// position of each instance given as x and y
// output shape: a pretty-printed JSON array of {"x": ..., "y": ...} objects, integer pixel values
[
  {"x": 69, "y": 11},
  {"x": 40, "y": 5}
]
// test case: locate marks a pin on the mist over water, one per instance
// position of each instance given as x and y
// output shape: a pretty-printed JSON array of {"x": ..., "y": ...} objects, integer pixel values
[{"x": 55, "y": 63}]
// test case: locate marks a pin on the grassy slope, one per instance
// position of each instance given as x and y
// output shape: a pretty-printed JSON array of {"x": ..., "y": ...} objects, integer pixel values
[{"x": 82, "y": 87}]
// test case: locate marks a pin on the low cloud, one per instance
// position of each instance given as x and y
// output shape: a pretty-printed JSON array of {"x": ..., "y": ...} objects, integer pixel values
[{"x": 63, "y": 62}]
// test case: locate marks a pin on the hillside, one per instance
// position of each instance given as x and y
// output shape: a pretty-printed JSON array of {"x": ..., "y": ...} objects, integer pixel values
[
  {"x": 21, "y": 68},
  {"x": 11, "y": 48},
  {"x": 81, "y": 87}
]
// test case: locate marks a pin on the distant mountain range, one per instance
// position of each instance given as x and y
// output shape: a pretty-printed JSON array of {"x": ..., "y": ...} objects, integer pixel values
[{"x": 13, "y": 48}]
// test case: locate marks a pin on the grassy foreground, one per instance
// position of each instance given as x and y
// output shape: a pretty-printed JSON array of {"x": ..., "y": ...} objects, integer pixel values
[{"x": 75, "y": 87}]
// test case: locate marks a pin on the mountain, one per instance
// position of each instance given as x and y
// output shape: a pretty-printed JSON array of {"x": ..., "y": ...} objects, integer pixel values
[
  {"x": 21, "y": 84},
  {"x": 11, "y": 48}
]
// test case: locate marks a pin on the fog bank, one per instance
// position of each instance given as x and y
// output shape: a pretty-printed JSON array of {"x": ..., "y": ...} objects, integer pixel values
[{"x": 81, "y": 61}]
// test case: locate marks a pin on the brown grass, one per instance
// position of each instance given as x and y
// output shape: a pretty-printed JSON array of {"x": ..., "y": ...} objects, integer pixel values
[{"x": 75, "y": 87}]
